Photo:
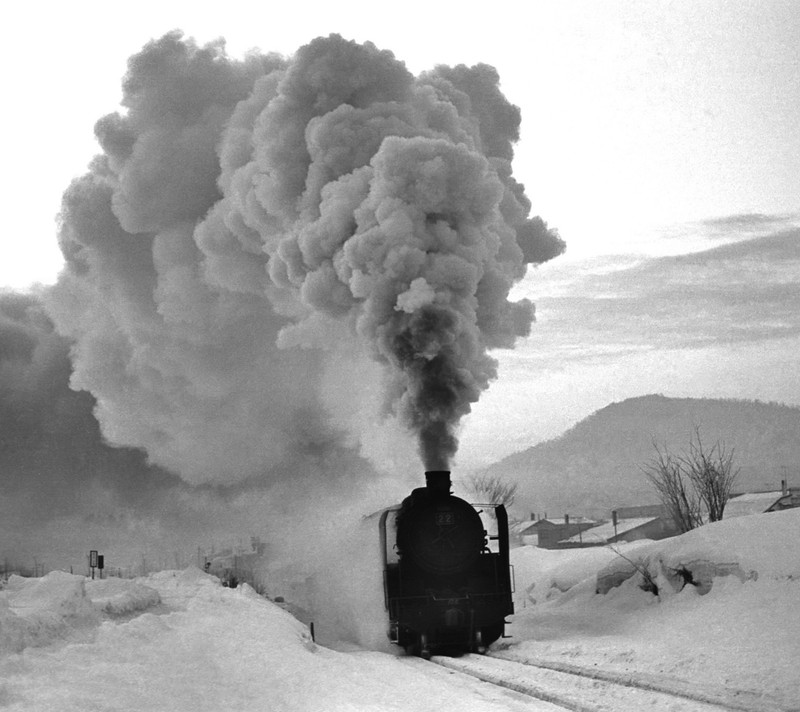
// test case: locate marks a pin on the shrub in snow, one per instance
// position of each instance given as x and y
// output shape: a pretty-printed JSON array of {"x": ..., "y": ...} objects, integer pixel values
[
  {"x": 624, "y": 568},
  {"x": 695, "y": 558},
  {"x": 701, "y": 573}
]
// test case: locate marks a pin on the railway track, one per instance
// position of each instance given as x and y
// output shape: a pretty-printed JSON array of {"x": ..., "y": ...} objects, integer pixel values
[{"x": 586, "y": 690}]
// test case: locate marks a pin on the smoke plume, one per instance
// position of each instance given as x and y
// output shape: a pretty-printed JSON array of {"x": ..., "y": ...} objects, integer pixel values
[
  {"x": 259, "y": 230},
  {"x": 57, "y": 477},
  {"x": 65, "y": 491}
]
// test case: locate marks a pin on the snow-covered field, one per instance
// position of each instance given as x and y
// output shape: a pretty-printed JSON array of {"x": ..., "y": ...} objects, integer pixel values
[{"x": 178, "y": 640}]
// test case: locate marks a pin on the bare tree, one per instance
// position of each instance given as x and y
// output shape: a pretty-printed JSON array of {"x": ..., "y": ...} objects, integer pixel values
[
  {"x": 667, "y": 474},
  {"x": 695, "y": 480},
  {"x": 493, "y": 489},
  {"x": 712, "y": 474}
]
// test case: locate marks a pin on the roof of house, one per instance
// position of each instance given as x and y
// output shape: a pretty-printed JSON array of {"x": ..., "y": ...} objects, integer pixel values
[
  {"x": 521, "y": 528},
  {"x": 606, "y": 531},
  {"x": 531, "y": 526},
  {"x": 562, "y": 521},
  {"x": 751, "y": 503}
]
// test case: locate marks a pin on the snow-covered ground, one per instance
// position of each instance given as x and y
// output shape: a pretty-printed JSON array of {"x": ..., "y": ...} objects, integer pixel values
[
  {"x": 736, "y": 628},
  {"x": 178, "y": 640}
]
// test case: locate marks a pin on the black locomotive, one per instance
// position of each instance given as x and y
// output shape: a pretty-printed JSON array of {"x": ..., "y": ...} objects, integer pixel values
[{"x": 447, "y": 581}]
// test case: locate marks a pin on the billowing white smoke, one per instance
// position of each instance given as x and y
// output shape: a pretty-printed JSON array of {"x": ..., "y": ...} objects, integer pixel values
[{"x": 250, "y": 222}]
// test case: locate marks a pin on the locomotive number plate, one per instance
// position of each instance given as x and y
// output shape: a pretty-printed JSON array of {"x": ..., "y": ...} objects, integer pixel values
[{"x": 444, "y": 519}]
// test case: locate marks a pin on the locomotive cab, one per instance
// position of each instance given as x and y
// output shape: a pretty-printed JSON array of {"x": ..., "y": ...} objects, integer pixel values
[{"x": 447, "y": 578}]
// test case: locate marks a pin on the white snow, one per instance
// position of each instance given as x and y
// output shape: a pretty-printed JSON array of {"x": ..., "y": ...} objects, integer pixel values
[
  {"x": 178, "y": 640},
  {"x": 738, "y": 629}
]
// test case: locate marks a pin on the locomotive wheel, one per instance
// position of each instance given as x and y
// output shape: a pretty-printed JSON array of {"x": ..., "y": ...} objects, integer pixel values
[
  {"x": 477, "y": 643},
  {"x": 425, "y": 651},
  {"x": 491, "y": 633}
]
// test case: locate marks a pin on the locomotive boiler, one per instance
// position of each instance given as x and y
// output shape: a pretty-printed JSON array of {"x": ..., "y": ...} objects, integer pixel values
[{"x": 447, "y": 579}]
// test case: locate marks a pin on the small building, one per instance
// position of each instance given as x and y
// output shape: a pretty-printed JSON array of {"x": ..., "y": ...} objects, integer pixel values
[
  {"x": 524, "y": 533},
  {"x": 629, "y": 529},
  {"x": 648, "y": 521},
  {"x": 746, "y": 503},
  {"x": 550, "y": 531},
  {"x": 545, "y": 531}
]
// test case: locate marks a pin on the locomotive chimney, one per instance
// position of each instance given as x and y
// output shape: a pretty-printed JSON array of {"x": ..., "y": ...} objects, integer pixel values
[{"x": 438, "y": 481}]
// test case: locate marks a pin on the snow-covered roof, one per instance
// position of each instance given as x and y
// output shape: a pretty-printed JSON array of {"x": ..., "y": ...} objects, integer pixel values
[
  {"x": 561, "y": 521},
  {"x": 751, "y": 503},
  {"x": 531, "y": 526},
  {"x": 606, "y": 531},
  {"x": 522, "y": 527}
]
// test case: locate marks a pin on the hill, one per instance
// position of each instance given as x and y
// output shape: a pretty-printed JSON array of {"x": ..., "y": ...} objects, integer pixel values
[{"x": 595, "y": 466}]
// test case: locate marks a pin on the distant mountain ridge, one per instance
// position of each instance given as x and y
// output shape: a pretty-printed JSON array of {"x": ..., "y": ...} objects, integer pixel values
[{"x": 596, "y": 465}]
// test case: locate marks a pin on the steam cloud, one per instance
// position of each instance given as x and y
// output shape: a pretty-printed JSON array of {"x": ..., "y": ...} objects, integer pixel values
[
  {"x": 257, "y": 230},
  {"x": 57, "y": 477}
]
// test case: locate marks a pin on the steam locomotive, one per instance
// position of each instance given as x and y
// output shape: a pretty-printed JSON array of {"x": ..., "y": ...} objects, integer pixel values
[{"x": 447, "y": 580}]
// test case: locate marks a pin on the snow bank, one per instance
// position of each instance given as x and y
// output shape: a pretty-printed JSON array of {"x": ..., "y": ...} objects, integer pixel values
[
  {"x": 764, "y": 543},
  {"x": 543, "y": 574},
  {"x": 221, "y": 649},
  {"x": 189, "y": 578},
  {"x": 744, "y": 547},
  {"x": 210, "y": 648},
  {"x": 35, "y": 612},
  {"x": 118, "y": 597},
  {"x": 739, "y": 630}
]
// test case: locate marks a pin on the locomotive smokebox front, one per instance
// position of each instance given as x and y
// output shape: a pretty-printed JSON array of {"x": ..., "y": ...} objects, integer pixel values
[{"x": 437, "y": 532}]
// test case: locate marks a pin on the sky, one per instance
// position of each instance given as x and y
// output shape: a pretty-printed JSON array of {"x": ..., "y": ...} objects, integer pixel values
[
  {"x": 660, "y": 140},
  {"x": 634, "y": 114}
]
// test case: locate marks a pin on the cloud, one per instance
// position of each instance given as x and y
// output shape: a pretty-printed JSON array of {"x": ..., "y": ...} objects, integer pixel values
[
  {"x": 743, "y": 291},
  {"x": 743, "y": 222}
]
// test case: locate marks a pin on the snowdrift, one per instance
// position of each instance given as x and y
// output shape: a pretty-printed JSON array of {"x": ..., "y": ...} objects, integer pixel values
[
  {"x": 209, "y": 648},
  {"x": 725, "y": 615},
  {"x": 117, "y": 597},
  {"x": 744, "y": 547},
  {"x": 36, "y": 612},
  {"x": 178, "y": 640}
]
